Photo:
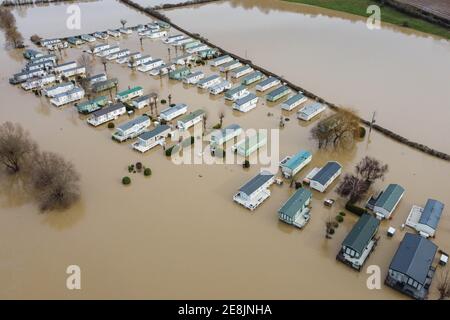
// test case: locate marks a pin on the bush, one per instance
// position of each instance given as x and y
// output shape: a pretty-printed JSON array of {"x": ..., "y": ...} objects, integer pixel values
[
  {"x": 331, "y": 231},
  {"x": 339, "y": 218},
  {"x": 217, "y": 126},
  {"x": 298, "y": 185},
  {"x": 147, "y": 172},
  {"x": 355, "y": 209},
  {"x": 169, "y": 151},
  {"x": 405, "y": 24},
  {"x": 342, "y": 213},
  {"x": 362, "y": 132},
  {"x": 246, "y": 164},
  {"x": 163, "y": 101},
  {"x": 111, "y": 125},
  {"x": 172, "y": 105},
  {"x": 138, "y": 166},
  {"x": 126, "y": 180},
  {"x": 131, "y": 168}
]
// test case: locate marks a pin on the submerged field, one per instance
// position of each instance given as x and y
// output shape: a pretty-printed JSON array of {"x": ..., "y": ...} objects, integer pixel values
[{"x": 388, "y": 14}]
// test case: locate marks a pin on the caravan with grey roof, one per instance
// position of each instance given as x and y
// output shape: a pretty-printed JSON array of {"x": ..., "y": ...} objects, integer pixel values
[
  {"x": 254, "y": 192},
  {"x": 151, "y": 139},
  {"x": 425, "y": 220},
  {"x": 325, "y": 176},
  {"x": 131, "y": 129}
]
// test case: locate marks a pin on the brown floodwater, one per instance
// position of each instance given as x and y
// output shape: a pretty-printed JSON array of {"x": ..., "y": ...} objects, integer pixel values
[
  {"x": 400, "y": 74},
  {"x": 178, "y": 234}
]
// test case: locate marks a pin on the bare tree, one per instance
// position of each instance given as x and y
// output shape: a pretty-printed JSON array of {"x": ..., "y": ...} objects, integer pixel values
[
  {"x": 352, "y": 187},
  {"x": 329, "y": 227},
  {"x": 104, "y": 63},
  {"x": 371, "y": 169},
  {"x": 87, "y": 62},
  {"x": 221, "y": 116},
  {"x": 35, "y": 39},
  {"x": 337, "y": 130},
  {"x": 443, "y": 285},
  {"x": 15, "y": 146},
  {"x": 8, "y": 25},
  {"x": 54, "y": 181},
  {"x": 169, "y": 97},
  {"x": 123, "y": 22}
]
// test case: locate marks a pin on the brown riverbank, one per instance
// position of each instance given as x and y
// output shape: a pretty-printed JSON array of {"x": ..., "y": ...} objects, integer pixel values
[{"x": 384, "y": 131}]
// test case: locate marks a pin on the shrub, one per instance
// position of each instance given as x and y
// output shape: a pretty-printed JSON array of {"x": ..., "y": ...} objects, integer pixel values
[
  {"x": 355, "y": 209},
  {"x": 335, "y": 225},
  {"x": 126, "y": 180},
  {"x": 163, "y": 101},
  {"x": 111, "y": 125},
  {"x": 298, "y": 185},
  {"x": 246, "y": 164},
  {"x": 339, "y": 218},
  {"x": 217, "y": 126},
  {"x": 172, "y": 105},
  {"x": 131, "y": 168},
  {"x": 138, "y": 166},
  {"x": 147, "y": 172},
  {"x": 362, "y": 132},
  {"x": 342, "y": 213},
  {"x": 405, "y": 24},
  {"x": 331, "y": 231},
  {"x": 169, "y": 151}
]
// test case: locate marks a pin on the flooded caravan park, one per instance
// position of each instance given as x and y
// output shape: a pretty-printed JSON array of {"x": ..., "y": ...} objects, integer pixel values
[
  {"x": 399, "y": 73},
  {"x": 178, "y": 234}
]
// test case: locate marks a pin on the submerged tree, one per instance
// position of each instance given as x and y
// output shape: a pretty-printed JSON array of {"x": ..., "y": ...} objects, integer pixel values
[
  {"x": 123, "y": 22},
  {"x": 54, "y": 182},
  {"x": 371, "y": 169},
  {"x": 353, "y": 188},
  {"x": 16, "y": 146},
  {"x": 87, "y": 62},
  {"x": 337, "y": 130},
  {"x": 221, "y": 116},
  {"x": 443, "y": 285},
  {"x": 104, "y": 63},
  {"x": 8, "y": 25}
]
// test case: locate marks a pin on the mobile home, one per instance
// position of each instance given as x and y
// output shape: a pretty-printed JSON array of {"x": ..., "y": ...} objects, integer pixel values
[
  {"x": 127, "y": 58},
  {"x": 183, "y": 59},
  {"x": 230, "y": 66},
  {"x": 36, "y": 83},
  {"x": 138, "y": 61},
  {"x": 293, "y": 102},
  {"x": 173, "y": 112},
  {"x": 267, "y": 84},
  {"x": 149, "y": 65},
  {"x": 75, "y": 41},
  {"x": 179, "y": 74},
  {"x": 101, "y": 35},
  {"x": 87, "y": 38},
  {"x": 250, "y": 144},
  {"x": 278, "y": 93},
  {"x": 72, "y": 72},
  {"x": 96, "y": 78},
  {"x": 150, "y": 139},
  {"x": 219, "y": 137},
  {"x": 104, "y": 85},
  {"x": 290, "y": 166},
  {"x": 91, "y": 105},
  {"x": 220, "y": 87},
  {"x": 25, "y": 75},
  {"x": 46, "y": 42},
  {"x": 129, "y": 94},
  {"x": 58, "y": 89},
  {"x": 221, "y": 60},
  {"x": 119, "y": 54},
  {"x": 157, "y": 34},
  {"x": 67, "y": 97},
  {"x": 31, "y": 54},
  {"x": 108, "y": 51},
  {"x": 163, "y": 69},
  {"x": 39, "y": 65},
  {"x": 254, "y": 192},
  {"x": 388, "y": 200},
  {"x": 236, "y": 93},
  {"x": 325, "y": 176},
  {"x": 194, "y": 78},
  {"x": 246, "y": 103},
  {"x": 173, "y": 39},
  {"x": 209, "y": 81},
  {"x": 114, "y": 33},
  {"x": 425, "y": 220},
  {"x": 107, "y": 114},
  {"x": 295, "y": 210},
  {"x": 190, "y": 119},
  {"x": 241, "y": 71},
  {"x": 141, "y": 102},
  {"x": 65, "y": 66},
  {"x": 197, "y": 48},
  {"x": 131, "y": 129},
  {"x": 43, "y": 58},
  {"x": 310, "y": 111},
  {"x": 99, "y": 47}
]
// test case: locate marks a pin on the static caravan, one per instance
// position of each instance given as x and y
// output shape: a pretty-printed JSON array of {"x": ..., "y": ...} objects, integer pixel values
[
  {"x": 36, "y": 83},
  {"x": 108, "y": 51},
  {"x": 118, "y": 55},
  {"x": 236, "y": 93},
  {"x": 91, "y": 105},
  {"x": 267, "y": 84},
  {"x": 219, "y": 137},
  {"x": 241, "y": 71},
  {"x": 157, "y": 34},
  {"x": 388, "y": 200},
  {"x": 221, "y": 60},
  {"x": 254, "y": 192},
  {"x": 100, "y": 47},
  {"x": 58, "y": 89},
  {"x": 194, "y": 78},
  {"x": 125, "y": 30},
  {"x": 163, "y": 69},
  {"x": 220, "y": 87},
  {"x": 325, "y": 176},
  {"x": 107, "y": 114},
  {"x": 149, "y": 65},
  {"x": 290, "y": 166},
  {"x": 96, "y": 78},
  {"x": 184, "y": 59},
  {"x": 25, "y": 75},
  {"x": 47, "y": 57},
  {"x": 179, "y": 74},
  {"x": 140, "y": 28},
  {"x": 163, "y": 25},
  {"x": 131, "y": 129},
  {"x": 251, "y": 144},
  {"x": 105, "y": 85},
  {"x": 278, "y": 93},
  {"x": 129, "y": 94},
  {"x": 173, "y": 39},
  {"x": 134, "y": 55},
  {"x": 246, "y": 103},
  {"x": 32, "y": 54},
  {"x": 230, "y": 66},
  {"x": 411, "y": 270},
  {"x": 190, "y": 119},
  {"x": 67, "y": 97},
  {"x": 191, "y": 44},
  {"x": 72, "y": 72},
  {"x": 293, "y": 102},
  {"x": 141, "y": 102},
  {"x": 197, "y": 48},
  {"x": 58, "y": 45},
  {"x": 310, "y": 111},
  {"x": 359, "y": 242},
  {"x": 46, "y": 42},
  {"x": 173, "y": 112},
  {"x": 210, "y": 81},
  {"x": 101, "y": 35},
  {"x": 295, "y": 210},
  {"x": 114, "y": 33},
  {"x": 75, "y": 41},
  {"x": 87, "y": 38},
  {"x": 425, "y": 220},
  {"x": 137, "y": 62},
  {"x": 65, "y": 66},
  {"x": 144, "y": 33},
  {"x": 39, "y": 65},
  {"x": 150, "y": 139},
  {"x": 207, "y": 53},
  {"x": 181, "y": 42}
]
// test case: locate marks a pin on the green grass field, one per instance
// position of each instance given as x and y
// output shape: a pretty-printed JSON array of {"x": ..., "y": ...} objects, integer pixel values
[{"x": 388, "y": 14}]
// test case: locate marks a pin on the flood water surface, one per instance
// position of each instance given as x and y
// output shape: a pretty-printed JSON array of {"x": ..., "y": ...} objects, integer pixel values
[{"x": 178, "y": 234}]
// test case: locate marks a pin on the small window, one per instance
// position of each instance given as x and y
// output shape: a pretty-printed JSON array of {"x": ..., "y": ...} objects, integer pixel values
[{"x": 410, "y": 281}]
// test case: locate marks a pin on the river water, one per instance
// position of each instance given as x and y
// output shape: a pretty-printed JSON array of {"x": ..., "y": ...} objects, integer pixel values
[{"x": 178, "y": 234}]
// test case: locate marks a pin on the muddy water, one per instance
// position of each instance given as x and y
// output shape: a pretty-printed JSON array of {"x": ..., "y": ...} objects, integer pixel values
[
  {"x": 178, "y": 234},
  {"x": 400, "y": 74}
]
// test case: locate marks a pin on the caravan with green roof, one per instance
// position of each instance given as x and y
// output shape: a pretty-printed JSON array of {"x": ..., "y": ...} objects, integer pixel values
[
  {"x": 291, "y": 165},
  {"x": 296, "y": 209},
  {"x": 250, "y": 144},
  {"x": 388, "y": 200},
  {"x": 129, "y": 94},
  {"x": 190, "y": 119}
]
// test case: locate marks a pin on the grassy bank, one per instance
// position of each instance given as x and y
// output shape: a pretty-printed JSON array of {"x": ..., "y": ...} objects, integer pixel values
[{"x": 388, "y": 14}]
